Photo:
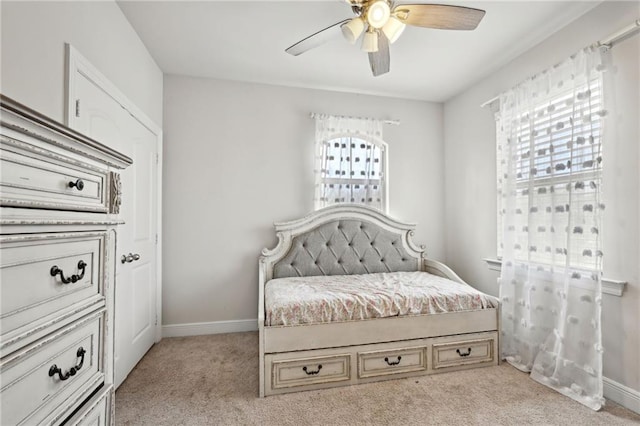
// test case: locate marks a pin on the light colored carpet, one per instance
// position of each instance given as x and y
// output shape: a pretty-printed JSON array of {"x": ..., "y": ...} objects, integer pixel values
[{"x": 213, "y": 380}]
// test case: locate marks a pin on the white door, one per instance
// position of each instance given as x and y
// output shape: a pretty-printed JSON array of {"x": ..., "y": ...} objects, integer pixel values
[
  {"x": 100, "y": 117},
  {"x": 136, "y": 289}
]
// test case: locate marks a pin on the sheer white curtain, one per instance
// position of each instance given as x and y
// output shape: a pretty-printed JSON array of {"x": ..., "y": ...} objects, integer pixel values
[
  {"x": 549, "y": 143},
  {"x": 350, "y": 161}
]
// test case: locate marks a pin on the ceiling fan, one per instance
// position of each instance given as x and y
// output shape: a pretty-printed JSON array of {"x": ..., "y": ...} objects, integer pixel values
[{"x": 382, "y": 22}]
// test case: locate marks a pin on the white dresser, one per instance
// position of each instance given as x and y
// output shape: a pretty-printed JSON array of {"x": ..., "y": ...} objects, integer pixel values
[{"x": 59, "y": 202}]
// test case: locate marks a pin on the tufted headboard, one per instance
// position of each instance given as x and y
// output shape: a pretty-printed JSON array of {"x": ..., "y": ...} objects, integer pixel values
[
  {"x": 341, "y": 240},
  {"x": 345, "y": 247}
]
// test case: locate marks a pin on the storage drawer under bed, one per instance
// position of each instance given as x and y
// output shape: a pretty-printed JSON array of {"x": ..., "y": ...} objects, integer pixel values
[
  {"x": 391, "y": 361},
  {"x": 307, "y": 371},
  {"x": 463, "y": 352},
  {"x": 331, "y": 367}
]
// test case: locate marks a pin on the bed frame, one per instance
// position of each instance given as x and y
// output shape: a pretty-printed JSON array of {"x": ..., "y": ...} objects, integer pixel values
[{"x": 355, "y": 239}]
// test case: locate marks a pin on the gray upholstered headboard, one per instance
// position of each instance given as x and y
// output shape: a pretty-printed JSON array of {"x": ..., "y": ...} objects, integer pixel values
[
  {"x": 341, "y": 240},
  {"x": 345, "y": 247}
]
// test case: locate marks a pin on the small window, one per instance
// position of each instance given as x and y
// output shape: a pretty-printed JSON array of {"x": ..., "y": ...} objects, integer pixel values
[
  {"x": 351, "y": 166},
  {"x": 352, "y": 172}
]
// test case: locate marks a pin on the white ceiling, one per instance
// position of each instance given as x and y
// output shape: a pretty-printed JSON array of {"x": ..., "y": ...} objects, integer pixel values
[{"x": 245, "y": 41}]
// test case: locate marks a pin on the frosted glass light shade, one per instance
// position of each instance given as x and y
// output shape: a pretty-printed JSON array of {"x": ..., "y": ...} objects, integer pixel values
[
  {"x": 393, "y": 29},
  {"x": 378, "y": 13},
  {"x": 370, "y": 41},
  {"x": 352, "y": 29}
]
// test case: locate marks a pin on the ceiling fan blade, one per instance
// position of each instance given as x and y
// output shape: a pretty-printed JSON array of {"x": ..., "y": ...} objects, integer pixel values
[
  {"x": 439, "y": 16},
  {"x": 315, "y": 40},
  {"x": 380, "y": 60}
]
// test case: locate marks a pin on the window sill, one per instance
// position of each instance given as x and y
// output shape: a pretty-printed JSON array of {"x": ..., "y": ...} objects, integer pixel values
[{"x": 609, "y": 286}]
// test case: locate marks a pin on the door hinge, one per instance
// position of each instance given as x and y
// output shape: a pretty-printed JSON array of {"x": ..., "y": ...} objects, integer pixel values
[
  {"x": 156, "y": 319},
  {"x": 157, "y": 158},
  {"x": 77, "y": 107},
  {"x": 156, "y": 238}
]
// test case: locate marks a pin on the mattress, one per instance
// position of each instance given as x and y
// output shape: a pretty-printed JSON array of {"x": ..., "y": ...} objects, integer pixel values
[{"x": 325, "y": 299}]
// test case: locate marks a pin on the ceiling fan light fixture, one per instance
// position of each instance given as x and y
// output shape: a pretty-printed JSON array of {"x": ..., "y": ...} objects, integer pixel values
[
  {"x": 378, "y": 23},
  {"x": 378, "y": 13},
  {"x": 370, "y": 41},
  {"x": 393, "y": 29},
  {"x": 352, "y": 29}
]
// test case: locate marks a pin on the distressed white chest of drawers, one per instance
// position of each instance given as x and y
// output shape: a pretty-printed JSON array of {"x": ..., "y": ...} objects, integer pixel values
[{"x": 59, "y": 204}]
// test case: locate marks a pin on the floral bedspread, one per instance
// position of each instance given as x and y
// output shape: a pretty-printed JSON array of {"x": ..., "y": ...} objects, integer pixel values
[{"x": 323, "y": 299}]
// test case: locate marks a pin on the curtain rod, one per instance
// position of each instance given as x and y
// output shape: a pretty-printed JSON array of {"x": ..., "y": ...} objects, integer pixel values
[
  {"x": 319, "y": 115},
  {"x": 607, "y": 42},
  {"x": 619, "y": 35}
]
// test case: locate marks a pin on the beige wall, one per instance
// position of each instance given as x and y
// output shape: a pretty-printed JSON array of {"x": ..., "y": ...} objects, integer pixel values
[
  {"x": 470, "y": 178},
  {"x": 33, "y": 35},
  {"x": 238, "y": 157}
]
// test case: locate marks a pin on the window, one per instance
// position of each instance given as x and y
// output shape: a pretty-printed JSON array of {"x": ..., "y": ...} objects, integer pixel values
[
  {"x": 351, "y": 162},
  {"x": 352, "y": 172},
  {"x": 554, "y": 165}
]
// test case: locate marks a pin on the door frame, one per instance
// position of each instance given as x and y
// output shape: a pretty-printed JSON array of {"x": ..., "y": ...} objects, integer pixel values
[{"x": 76, "y": 63}]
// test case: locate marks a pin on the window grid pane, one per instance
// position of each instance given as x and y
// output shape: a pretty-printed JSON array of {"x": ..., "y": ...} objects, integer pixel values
[
  {"x": 557, "y": 156},
  {"x": 353, "y": 172}
]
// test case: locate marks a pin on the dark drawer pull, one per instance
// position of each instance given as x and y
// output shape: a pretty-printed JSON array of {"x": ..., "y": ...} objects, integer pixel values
[
  {"x": 72, "y": 371},
  {"x": 79, "y": 184},
  {"x": 312, "y": 373},
  {"x": 464, "y": 354},
  {"x": 73, "y": 278},
  {"x": 392, "y": 362}
]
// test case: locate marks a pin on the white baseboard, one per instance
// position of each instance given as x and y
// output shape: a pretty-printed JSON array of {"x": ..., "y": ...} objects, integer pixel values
[
  {"x": 216, "y": 327},
  {"x": 621, "y": 394}
]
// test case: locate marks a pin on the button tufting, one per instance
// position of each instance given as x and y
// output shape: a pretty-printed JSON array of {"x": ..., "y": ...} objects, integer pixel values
[
  {"x": 404, "y": 259},
  {"x": 382, "y": 259},
  {"x": 339, "y": 261}
]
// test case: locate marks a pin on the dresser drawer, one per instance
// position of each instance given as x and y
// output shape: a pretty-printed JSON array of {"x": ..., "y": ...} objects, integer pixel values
[
  {"x": 45, "y": 277},
  {"x": 46, "y": 381},
  {"x": 46, "y": 180},
  {"x": 310, "y": 371},
  {"x": 463, "y": 352},
  {"x": 96, "y": 412},
  {"x": 394, "y": 361}
]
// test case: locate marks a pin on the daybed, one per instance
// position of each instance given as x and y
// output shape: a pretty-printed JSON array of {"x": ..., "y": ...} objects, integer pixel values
[{"x": 346, "y": 297}]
